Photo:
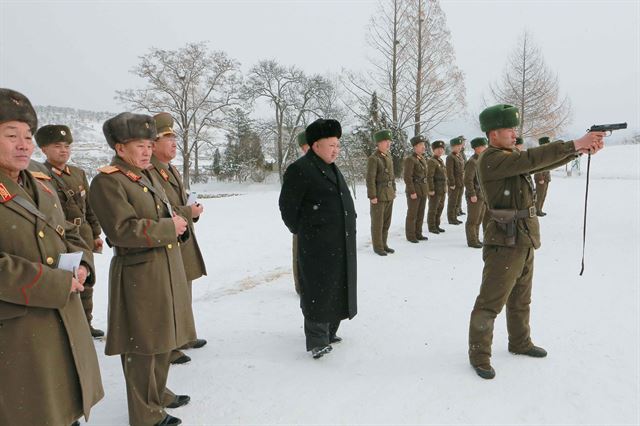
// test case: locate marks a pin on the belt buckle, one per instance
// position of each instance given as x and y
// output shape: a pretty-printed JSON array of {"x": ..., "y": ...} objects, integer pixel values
[
  {"x": 77, "y": 221},
  {"x": 532, "y": 211}
]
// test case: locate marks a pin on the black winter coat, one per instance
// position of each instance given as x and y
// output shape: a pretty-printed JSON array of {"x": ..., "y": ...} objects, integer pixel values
[{"x": 316, "y": 204}]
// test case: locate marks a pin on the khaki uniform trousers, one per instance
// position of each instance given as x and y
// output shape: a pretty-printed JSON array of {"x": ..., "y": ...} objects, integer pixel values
[
  {"x": 415, "y": 217},
  {"x": 453, "y": 203},
  {"x": 146, "y": 380},
  {"x": 436, "y": 206},
  {"x": 177, "y": 353},
  {"x": 506, "y": 280},
  {"x": 475, "y": 216},
  {"x": 380, "y": 222},
  {"x": 541, "y": 191}
]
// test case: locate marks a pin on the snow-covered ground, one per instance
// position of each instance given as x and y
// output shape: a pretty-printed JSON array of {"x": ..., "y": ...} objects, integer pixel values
[{"x": 404, "y": 356}]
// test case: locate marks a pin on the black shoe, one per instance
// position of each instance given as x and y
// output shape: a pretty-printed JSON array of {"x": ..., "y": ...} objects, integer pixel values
[
  {"x": 485, "y": 371},
  {"x": 96, "y": 333},
  {"x": 475, "y": 245},
  {"x": 198, "y": 343},
  {"x": 181, "y": 360},
  {"x": 541, "y": 214},
  {"x": 389, "y": 250},
  {"x": 380, "y": 252},
  {"x": 422, "y": 238},
  {"x": 414, "y": 240},
  {"x": 179, "y": 401},
  {"x": 169, "y": 421},
  {"x": 320, "y": 351},
  {"x": 76, "y": 423},
  {"x": 335, "y": 339},
  {"x": 461, "y": 213},
  {"x": 535, "y": 352},
  {"x": 434, "y": 231},
  {"x": 440, "y": 229}
]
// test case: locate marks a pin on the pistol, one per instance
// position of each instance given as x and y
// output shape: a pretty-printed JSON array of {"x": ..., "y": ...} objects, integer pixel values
[{"x": 607, "y": 127}]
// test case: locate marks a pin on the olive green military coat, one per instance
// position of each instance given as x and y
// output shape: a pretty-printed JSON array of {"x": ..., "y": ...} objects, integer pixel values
[
  {"x": 381, "y": 182},
  {"x": 455, "y": 170},
  {"x": 436, "y": 175},
  {"x": 149, "y": 307},
  {"x": 505, "y": 178},
  {"x": 471, "y": 184},
  {"x": 73, "y": 191},
  {"x": 415, "y": 175},
  {"x": 49, "y": 371},
  {"x": 171, "y": 181}
]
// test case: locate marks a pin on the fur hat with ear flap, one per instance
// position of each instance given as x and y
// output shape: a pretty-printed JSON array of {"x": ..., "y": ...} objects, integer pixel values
[
  {"x": 127, "y": 126},
  {"x": 14, "y": 106}
]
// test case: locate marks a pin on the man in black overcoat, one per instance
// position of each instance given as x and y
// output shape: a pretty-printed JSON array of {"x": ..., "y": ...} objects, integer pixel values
[{"x": 316, "y": 205}]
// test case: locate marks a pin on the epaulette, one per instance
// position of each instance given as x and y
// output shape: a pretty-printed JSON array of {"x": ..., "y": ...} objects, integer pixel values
[
  {"x": 108, "y": 169},
  {"x": 40, "y": 175}
]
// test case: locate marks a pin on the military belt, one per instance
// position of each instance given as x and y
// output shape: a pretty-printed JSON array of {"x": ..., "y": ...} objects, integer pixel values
[
  {"x": 77, "y": 221},
  {"x": 420, "y": 180},
  {"x": 385, "y": 183}
]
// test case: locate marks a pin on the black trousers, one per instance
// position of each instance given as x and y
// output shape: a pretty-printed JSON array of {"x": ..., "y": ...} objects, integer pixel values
[{"x": 318, "y": 333}]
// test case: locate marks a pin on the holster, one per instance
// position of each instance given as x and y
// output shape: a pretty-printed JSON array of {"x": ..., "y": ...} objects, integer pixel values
[{"x": 506, "y": 220}]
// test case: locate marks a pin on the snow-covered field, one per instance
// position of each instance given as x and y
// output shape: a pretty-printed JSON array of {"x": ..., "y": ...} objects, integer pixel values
[{"x": 404, "y": 356}]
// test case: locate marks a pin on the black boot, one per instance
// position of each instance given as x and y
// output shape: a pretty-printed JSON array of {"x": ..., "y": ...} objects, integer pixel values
[
  {"x": 320, "y": 351},
  {"x": 95, "y": 332},
  {"x": 380, "y": 252},
  {"x": 169, "y": 421},
  {"x": 535, "y": 352},
  {"x": 179, "y": 401},
  {"x": 485, "y": 371},
  {"x": 181, "y": 360},
  {"x": 389, "y": 250}
]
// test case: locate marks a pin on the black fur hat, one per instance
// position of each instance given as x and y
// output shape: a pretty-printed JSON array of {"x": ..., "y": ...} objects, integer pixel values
[
  {"x": 52, "y": 133},
  {"x": 127, "y": 126},
  {"x": 14, "y": 106},
  {"x": 321, "y": 129}
]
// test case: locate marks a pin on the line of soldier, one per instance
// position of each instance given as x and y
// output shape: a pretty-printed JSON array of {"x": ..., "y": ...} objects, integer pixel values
[
  {"x": 49, "y": 209},
  {"x": 434, "y": 180}
]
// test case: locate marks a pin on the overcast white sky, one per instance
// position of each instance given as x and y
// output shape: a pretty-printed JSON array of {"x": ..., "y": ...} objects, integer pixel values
[{"x": 78, "y": 53}]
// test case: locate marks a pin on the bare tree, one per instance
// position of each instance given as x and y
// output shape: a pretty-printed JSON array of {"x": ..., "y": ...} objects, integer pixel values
[
  {"x": 293, "y": 97},
  {"x": 530, "y": 85},
  {"x": 439, "y": 83},
  {"x": 192, "y": 83}
]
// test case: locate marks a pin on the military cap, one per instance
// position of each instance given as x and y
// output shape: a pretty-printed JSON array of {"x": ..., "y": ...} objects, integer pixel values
[
  {"x": 164, "y": 124},
  {"x": 476, "y": 142},
  {"x": 456, "y": 141},
  {"x": 52, "y": 133},
  {"x": 543, "y": 140},
  {"x": 127, "y": 126},
  {"x": 382, "y": 135},
  {"x": 437, "y": 144},
  {"x": 499, "y": 117},
  {"x": 14, "y": 106},
  {"x": 417, "y": 139},
  {"x": 519, "y": 141},
  {"x": 322, "y": 128},
  {"x": 302, "y": 139}
]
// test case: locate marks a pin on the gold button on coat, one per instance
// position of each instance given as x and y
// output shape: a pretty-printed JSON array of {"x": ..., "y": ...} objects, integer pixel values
[
  {"x": 170, "y": 246},
  {"x": 41, "y": 234},
  {"x": 49, "y": 260}
]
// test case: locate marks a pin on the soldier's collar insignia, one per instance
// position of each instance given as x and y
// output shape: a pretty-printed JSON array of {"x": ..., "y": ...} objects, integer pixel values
[
  {"x": 40, "y": 175},
  {"x": 134, "y": 177},
  {"x": 164, "y": 175},
  {"x": 5, "y": 195},
  {"x": 45, "y": 187},
  {"x": 67, "y": 170},
  {"x": 56, "y": 171}
]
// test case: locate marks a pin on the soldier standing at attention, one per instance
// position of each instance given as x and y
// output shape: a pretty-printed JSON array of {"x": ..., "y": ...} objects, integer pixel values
[
  {"x": 542, "y": 182},
  {"x": 149, "y": 305},
  {"x": 73, "y": 187},
  {"x": 381, "y": 190},
  {"x": 415, "y": 180},
  {"x": 463, "y": 156},
  {"x": 304, "y": 147},
  {"x": 512, "y": 233},
  {"x": 437, "y": 185},
  {"x": 165, "y": 150},
  {"x": 475, "y": 201},
  {"x": 520, "y": 144},
  {"x": 455, "y": 178},
  {"x": 49, "y": 370}
]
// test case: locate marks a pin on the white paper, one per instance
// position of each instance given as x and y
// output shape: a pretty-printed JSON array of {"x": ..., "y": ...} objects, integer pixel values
[
  {"x": 193, "y": 198},
  {"x": 69, "y": 261}
]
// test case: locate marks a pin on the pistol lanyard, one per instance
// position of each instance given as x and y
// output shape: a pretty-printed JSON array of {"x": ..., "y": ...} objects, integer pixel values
[{"x": 584, "y": 223}]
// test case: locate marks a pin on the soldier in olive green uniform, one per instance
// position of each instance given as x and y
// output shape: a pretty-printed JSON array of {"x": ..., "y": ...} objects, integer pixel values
[
  {"x": 72, "y": 186},
  {"x": 463, "y": 156},
  {"x": 165, "y": 150},
  {"x": 475, "y": 201},
  {"x": 512, "y": 233},
  {"x": 149, "y": 304},
  {"x": 381, "y": 190},
  {"x": 415, "y": 180},
  {"x": 304, "y": 146},
  {"x": 437, "y": 186},
  {"x": 542, "y": 180},
  {"x": 455, "y": 178},
  {"x": 49, "y": 373}
]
